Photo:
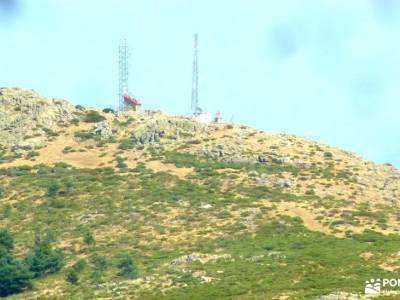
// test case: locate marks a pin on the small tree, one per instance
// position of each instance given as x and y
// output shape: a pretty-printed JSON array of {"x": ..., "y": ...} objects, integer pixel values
[
  {"x": 80, "y": 265},
  {"x": 127, "y": 267},
  {"x": 43, "y": 259},
  {"x": 89, "y": 240},
  {"x": 6, "y": 240},
  {"x": 14, "y": 275},
  {"x": 69, "y": 185},
  {"x": 53, "y": 189},
  {"x": 72, "y": 276},
  {"x": 100, "y": 266}
]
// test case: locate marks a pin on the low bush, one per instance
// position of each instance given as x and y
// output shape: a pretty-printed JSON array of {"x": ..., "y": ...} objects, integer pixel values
[
  {"x": 93, "y": 116},
  {"x": 127, "y": 267},
  {"x": 72, "y": 276},
  {"x": 53, "y": 189},
  {"x": 84, "y": 135},
  {"x": 31, "y": 154},
  {"x": 108, "y": 110},
  {"x": 126, "y": 144}
]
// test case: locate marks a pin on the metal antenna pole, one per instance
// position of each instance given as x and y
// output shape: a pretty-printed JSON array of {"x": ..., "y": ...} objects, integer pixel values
[
  {"x": 195, "y": 78},
  {"x": 123, "y": 73}
]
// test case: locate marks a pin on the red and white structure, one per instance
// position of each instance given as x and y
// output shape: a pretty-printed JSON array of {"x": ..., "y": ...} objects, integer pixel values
[
  {"x": 131, "y": 103},
  {"x": 126, "y": 101}
]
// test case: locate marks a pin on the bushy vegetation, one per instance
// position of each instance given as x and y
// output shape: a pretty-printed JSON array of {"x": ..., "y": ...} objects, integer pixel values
[
  {"x": 16, "y": 275},
  {"x": 127, "y": 267},
  {"x": 72, "y": 276},
  {"x": 32, "y": 154},
  {"x": 89, "y": 240},
  {"x": 108, "y": 110},
  {"x": 50, "y": 132},
  {"x": 93, "y": 116},
  {"x": 84, "y": 135},
  {"x": 205, "y": 166},
  {"x": 121, "y": 162},
  {"x": 116, "y": 226},
  {"x": 100, "y": 266},
  {"x": 127, "y": 144},
  {"x": 44, "y": 259}
]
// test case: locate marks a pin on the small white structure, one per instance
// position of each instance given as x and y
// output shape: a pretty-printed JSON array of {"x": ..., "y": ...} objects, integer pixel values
[
  {"x": 218, "y": 118},
  {"x": 203, "y": 117}
]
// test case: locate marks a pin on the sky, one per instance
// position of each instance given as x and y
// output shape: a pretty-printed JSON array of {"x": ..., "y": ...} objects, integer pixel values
[{"x": 327, "y": 70}]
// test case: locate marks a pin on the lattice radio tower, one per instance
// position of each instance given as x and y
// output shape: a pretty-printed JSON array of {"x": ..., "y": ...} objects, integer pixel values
[
  {"x": 124, "y": 54},
  {"x": 195, "y": 79}
]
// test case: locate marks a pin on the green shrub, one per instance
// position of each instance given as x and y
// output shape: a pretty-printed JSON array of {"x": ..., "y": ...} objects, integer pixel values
[
  {"x": 194, "y": 142},
  {"x": 67, "y": 149},
  {"x": 72, "y": 276},
  {"x": 14, "y": 275},
  {"x": 100, "y": 263},
  {"x": 100, "y": 267},
  {"x": 121, "y": 162},
  {"x": 310, "y": 192},
  {"x": 50, "y": 132},
  {"x": 32, "y": 154},
  {"x": 84, "y": 135},
  {"x": 7, "y": 211},
  {"x": 89, "y": 240},
  {"x": 43, "y": 258},
  {"x": 108, "y": 110},
  {"x": 80, "y": 265},
  {"x": 69, "y": 185},
  {"x": 75, "y": 121},
  {"x": 126, "y": 144},
  {"x": 6, "y": 240},
  {"x": 127, "y": 267},
  {"x": 93, "y": 116},
  {"x": 53, "y": 189}
]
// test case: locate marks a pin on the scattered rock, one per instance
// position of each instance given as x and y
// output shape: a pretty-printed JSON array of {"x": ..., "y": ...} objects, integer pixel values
[
  {"x": 206, "y": 206},
  {"x": 263, "y": 179},
  {"x": 262, "y": 159},
  {"x": 343, "y": 296},
  {"x": 202, "y": 258},
  {"x": 284, "y": 183},
  {"x": 103, "y": 129},
  {"x": 285, "y": 160},
  {"x": 214, "y": 153},
  {"x": 253, "y": 174}
]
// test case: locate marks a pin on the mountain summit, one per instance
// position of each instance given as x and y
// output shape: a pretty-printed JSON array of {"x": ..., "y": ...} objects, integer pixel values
[{"x": 217, "y": 211}]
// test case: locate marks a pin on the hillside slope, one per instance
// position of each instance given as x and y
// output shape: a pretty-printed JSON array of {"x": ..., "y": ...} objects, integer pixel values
[{"x": 208, "y": 212}]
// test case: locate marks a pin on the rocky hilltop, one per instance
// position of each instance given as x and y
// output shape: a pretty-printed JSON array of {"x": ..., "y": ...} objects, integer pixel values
[
  {"x": 26, "y": 117},
  {"x": 31, "y": 122},
  {"x": 172, "y": 182}
]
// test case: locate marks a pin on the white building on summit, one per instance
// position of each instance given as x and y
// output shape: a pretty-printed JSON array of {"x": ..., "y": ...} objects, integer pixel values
[{"x": 203, "y": 117}]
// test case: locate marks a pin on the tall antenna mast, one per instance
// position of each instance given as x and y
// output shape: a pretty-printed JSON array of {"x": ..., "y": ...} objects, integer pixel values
[
  {"x": 123, "y": 73},
  {"x": 195, "y": 79}
]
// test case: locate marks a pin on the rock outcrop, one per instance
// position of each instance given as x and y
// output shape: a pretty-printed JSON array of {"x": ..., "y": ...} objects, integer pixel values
[{"x": 27, "y": 119}]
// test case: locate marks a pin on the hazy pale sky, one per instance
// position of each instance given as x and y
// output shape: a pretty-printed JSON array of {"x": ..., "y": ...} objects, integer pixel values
[{"x": 328, "y": 70}]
